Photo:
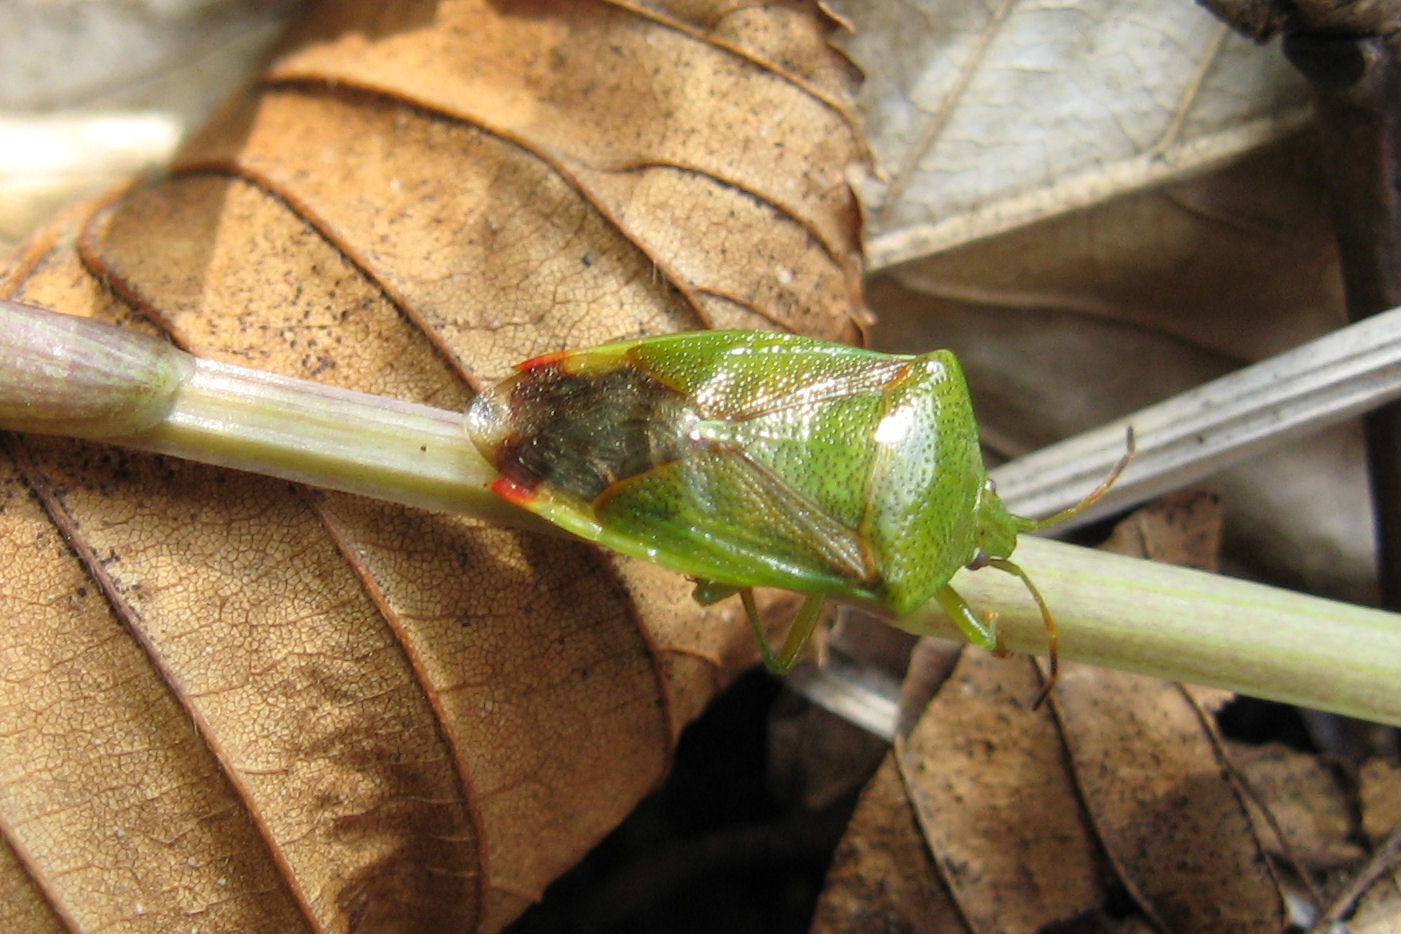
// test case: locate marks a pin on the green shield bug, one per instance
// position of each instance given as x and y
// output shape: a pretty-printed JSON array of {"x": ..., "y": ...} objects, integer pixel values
[{"x": 752, "y": 459}]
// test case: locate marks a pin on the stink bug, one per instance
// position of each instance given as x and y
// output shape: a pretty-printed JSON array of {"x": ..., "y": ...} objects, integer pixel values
[{"x": 750, "y": 459}]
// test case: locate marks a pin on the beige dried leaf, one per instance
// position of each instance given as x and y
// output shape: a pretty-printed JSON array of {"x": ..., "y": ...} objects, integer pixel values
[
  {"x": 1182, "y": 528},
  {"x": 1381, "y": 797},
  {"x": 995, "y": 804},
  {"x": 1013, "y": 820},
  {"x": 279, "y": 710},
  {"x": 1171, "y": 821},
  {"x": 883, "y": 877}
]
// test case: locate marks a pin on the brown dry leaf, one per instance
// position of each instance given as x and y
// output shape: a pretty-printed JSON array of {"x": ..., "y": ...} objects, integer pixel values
[
  {"x": 1378, "y": 902},
  {"x": 1381, "y": 797},
  {"x": 236, "y": 703},
  {"x": 1171, "y": 820},
  {"x": 1306, "y": 797},
  {"x": 882, "y": 877},
  {"x": 995, "y": 803},
  {"x": 1339, "y": 826},
  {"x": 1182, "y": 528},
  {"x": 1034, "y": 819},
  {"x": 1016, "y": 820},
  {"x": 947, "y": 836}
]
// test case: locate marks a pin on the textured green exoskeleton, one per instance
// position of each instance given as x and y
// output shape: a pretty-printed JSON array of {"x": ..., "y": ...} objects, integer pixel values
[{"x": 748, "y": 459}]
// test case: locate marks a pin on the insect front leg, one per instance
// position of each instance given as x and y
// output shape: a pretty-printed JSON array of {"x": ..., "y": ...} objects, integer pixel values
[
  {"x": 983, "y": 632},
  {"x": 980, "y": 631},
  {"x": 1052, "y": 638}
]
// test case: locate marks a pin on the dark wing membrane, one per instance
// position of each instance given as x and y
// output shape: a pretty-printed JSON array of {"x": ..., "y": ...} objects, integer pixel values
[{"x": 718, "y": 515}]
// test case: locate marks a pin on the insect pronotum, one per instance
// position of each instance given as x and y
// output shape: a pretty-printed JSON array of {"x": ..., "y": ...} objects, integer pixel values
[{"x": 750, "y": 459}]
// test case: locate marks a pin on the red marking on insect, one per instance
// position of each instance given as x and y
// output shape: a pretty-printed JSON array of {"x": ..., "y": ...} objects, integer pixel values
[
  {"x": 514, "y": 492},
  {"x": 554, "y": 358}
]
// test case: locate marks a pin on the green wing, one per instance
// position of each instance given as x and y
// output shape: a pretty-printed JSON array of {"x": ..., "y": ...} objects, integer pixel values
[{"x": 718, "y": 515}]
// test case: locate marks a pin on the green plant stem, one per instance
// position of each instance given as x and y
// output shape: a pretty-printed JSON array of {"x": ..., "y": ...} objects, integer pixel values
[
  {"x": 81, "y": 378},
  {"x": 72, "y": 376},
  {"x": 1184, "y": 625},
  {"x": 328, "y": 437}
]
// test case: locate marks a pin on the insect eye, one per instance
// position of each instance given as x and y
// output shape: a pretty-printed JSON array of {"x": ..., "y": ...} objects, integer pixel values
[{"x": 980, "y": 560}]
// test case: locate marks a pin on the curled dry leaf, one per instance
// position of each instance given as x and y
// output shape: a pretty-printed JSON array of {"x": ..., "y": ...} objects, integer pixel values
[
  {"x": 1044, "y": 198},
  {"x": 1188, "y": 282},
  {"x": 988, "y": 117},
  {"x": 231, "y": 698}
]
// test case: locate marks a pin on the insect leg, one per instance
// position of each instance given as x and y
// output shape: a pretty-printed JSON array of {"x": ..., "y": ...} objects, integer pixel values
[
  {"x": 979, "y": 631},
  {"x": 1052, "y": 639},
  {"x": 798, "y": 633}
]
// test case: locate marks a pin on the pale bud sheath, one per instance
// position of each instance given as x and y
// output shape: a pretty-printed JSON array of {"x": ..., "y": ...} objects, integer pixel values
[{"x": 66, "y": 375}]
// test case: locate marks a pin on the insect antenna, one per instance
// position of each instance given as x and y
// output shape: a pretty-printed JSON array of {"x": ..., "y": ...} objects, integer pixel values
[{"x": 1035, "y": 525}]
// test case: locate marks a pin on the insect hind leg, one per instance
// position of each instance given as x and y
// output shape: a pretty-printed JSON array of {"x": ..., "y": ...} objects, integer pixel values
[{"x": 798, "y": 633}]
